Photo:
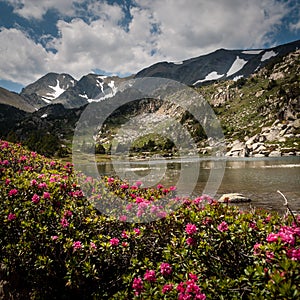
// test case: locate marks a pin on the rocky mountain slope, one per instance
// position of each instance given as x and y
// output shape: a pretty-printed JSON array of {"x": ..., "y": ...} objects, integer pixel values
[
  {"x": 220, "y": 65},
  {"x": 261, "y": 115}
]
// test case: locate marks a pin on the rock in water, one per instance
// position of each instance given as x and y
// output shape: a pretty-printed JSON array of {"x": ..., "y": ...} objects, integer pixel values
[{"x": 233, "y": 198}]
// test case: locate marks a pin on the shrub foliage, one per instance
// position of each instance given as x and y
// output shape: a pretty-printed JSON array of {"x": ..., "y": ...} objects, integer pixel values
[{"x": 56, "y": 245}]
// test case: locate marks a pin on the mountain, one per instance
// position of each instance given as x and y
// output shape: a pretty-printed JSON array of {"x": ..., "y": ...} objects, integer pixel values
[
  {"x": 256, "y": 101},
  {"x": 15, "y": 100},
  {"x": 90, "y": 88},
  {"x": 220, "y": 65},
  {"x": 46, "y": 89}
]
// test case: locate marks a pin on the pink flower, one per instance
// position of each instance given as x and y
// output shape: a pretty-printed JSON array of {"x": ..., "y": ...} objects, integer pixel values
[
  {"x": 269, "y": 255},
  {"x": 42, "y": 185},
  {"x": 165, "y": 269},
  {"x": 256, "y": 248},
  {"x": 124, "y": 186},
  {"x": 23, "y": 158},
  {"x": 11, "y": 216},
  {"x": 110, "y": 180},
  {"x": 77, "y": 245},
  {"x": 167, "y": 288},
  {"x": 46, "y": 195},
  {"x": 190, "y": 229},
  {"x": 35, "y": 199},
  {"x": 173, "y": 188},
  {"x": 191, "y": 241},
  {"x": 150, "y": 276},
  {"x": 93, "y": 245},
  {"x": 114, "y": 242},
  {"x": 13, "y": 192},
  {"x": 7, "y": 181},
  {"x": 137, "y": 231},
  {"x": 64, "y": 222},
  {"x": 138, "y": 183},
  {"x": 161, "y": 214},
  {"x": 223, "y": 226},
  {"x": 293, "y": 254},
  {"x": 124, "y": 234},
  {"x": 33, "y": 154},
  {"x": 129, "y": 206},
  {"x": 5, "y": 162},
  {"x": 192, "y": 287},
  {"x": 68, "y": 213},
  {"x": 134, "y": 187},
  {"x": 252, "y": 224},
  {"x": 137, "y": 285},
  {"x": 200, "y": 296},
  {"x": 123, "y": 218},
  {"x": 139, "y": 200},
  {"x": 33, "y": 182},
  {"x": 52, "y": 163},
  {"x": 159, "y": 186},
  {"x": 54, "y": 237},
  {"x": 272, "y": 237},
  {"x": 193, "y": 276}
]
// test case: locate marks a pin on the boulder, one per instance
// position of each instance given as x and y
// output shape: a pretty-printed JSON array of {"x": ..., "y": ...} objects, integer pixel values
[
  {"x": 275, "y": 153},
  {"x": 239, "y": 149},
  {"x": 233, "y": 198}
]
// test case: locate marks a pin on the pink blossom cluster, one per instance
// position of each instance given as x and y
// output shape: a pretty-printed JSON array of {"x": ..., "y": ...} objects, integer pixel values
[
  {"x": 191, "y": 229},
  {"x": 286, "y": 234},
  {"x": 150, "y": 276},
  {"x": 189, "y": 289},
  {"x": 223, "y": 226},
  {"x": 165, "y": 269},
  {"x": 137, "y": 286}
]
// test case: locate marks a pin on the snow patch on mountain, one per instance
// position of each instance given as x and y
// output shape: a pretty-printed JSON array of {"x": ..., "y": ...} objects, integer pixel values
[
  {"x": 113, "y": 91},
  {"x": 57, "y": 91},
  {"x": 100, "y": 84},
  {"x": 252, "y": 51},
  {"x": 46, "y": 99},
  {"x": 211, "y": 76},
  {"x": 268, "y": 55},
  {"x": 237, "y": 65},
  {"x": 236, "y": 78},
  {"x": 83, "y": 96}
]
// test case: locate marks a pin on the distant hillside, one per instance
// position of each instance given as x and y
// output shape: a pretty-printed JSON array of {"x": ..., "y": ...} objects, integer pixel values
[{"x": 15, "y": 100}]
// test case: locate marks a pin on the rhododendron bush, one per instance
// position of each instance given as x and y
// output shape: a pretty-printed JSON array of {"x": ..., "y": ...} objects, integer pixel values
[{"x": 56, "y": 245}]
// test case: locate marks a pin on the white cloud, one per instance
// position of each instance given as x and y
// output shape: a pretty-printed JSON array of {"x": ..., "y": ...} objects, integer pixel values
[
  {"x": 295, "y": 26},
  {"x": 189, "y": 28},
  {"x": 21, "y": 59},
  {"x": 170, "y": 30},
  {"x": 36, "y": 9}
]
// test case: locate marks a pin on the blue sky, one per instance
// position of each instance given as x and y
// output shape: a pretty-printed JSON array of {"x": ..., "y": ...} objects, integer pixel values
[{"x": 122, "y": 37}]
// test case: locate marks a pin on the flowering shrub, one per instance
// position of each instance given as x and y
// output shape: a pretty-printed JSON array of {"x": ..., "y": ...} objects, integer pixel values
[{"x": 55, "y": 244}]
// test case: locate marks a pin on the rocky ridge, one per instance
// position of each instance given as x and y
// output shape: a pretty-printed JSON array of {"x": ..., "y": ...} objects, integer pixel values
[{"x": 261, "y": 115}]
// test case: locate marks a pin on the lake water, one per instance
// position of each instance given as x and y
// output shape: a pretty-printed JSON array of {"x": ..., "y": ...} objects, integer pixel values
[{"x": 256, "y": 178}]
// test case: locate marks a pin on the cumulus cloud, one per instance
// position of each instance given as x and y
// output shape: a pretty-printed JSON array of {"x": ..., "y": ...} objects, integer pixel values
[
  {"x": 94, "y": 36},
  {"x": 36, "y": 9},
  {"x": 21, "y": 59}
]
